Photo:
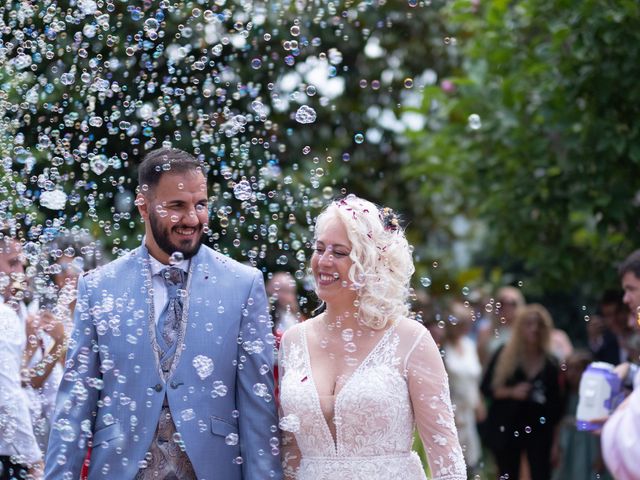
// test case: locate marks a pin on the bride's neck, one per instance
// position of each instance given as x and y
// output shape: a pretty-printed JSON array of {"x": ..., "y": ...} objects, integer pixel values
[{"x": 345, "y": 317}]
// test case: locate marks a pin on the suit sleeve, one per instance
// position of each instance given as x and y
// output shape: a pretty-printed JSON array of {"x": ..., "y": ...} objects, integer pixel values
[
  {"x": 76, "y": 404},
  {"x": 258, "y": 419}
]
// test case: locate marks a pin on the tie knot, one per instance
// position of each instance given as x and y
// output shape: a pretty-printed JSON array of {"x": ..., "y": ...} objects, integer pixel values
[{"x": 173, "y": 276}]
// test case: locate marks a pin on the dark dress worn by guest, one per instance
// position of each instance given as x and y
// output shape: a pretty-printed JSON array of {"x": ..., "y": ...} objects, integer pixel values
[
  {"x": 513, "y": 426},
  {"x": 522, "y": 386}
]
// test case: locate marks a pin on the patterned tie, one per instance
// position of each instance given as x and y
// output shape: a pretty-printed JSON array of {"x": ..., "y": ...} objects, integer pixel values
[
  {"x": 169, "y": 322},
  {"x": 166, "y": 458}
]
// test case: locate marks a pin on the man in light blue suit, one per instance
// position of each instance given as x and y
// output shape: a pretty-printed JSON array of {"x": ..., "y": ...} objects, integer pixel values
[{"x": 169, "y": 370}]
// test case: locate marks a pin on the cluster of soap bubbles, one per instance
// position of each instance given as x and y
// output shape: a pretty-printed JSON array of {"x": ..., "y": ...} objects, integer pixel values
[{"x": 89, "y": 87}]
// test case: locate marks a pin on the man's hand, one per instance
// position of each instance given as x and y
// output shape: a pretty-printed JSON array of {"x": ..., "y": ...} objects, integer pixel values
[
  {"x": 622, "y": 370},
  {"x": 480, "y": 411},
  {"x": 36, "y": 471},
  {"x": 52, "y": 326},
  {"x": 44, "y": 322}
]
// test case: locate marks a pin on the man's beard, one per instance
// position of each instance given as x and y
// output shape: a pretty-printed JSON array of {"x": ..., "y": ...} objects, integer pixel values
[{"x": 161, "y": 236}]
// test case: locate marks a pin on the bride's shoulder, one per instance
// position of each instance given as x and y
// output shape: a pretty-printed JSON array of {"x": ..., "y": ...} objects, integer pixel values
[
  {"x": 409, "y": 327},
  {"x": 294, "y": 332}
]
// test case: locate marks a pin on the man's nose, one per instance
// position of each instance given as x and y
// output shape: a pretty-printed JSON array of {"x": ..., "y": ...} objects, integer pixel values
[{"x": 191, "y": 217}]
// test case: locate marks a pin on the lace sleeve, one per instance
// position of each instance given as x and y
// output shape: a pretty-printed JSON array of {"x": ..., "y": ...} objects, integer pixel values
[
  {"x": 429, "y": 392},
  {"x": 290, "y": 451}
]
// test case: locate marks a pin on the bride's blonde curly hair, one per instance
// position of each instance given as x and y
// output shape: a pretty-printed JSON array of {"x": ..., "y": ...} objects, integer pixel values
[{"x": 382, "y": 262}]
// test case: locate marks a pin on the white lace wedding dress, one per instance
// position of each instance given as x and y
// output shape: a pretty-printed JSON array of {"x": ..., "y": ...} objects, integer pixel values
[{"x": 399, "y": 385}]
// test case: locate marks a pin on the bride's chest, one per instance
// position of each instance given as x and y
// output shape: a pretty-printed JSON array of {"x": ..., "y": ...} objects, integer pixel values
[{"x": 364, "y": 390}]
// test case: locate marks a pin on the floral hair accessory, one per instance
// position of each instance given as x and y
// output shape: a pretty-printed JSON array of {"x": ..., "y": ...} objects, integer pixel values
[{"x": 389, "y": 219}]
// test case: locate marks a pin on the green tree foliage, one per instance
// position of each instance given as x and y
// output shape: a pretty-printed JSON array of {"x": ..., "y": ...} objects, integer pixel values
[{"x": 536, "y": 135}]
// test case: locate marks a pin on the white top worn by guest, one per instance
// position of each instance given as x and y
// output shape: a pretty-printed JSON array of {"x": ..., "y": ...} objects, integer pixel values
[
  {"x": 16, "y": 432},
  {"x": 463, "y": 367}
]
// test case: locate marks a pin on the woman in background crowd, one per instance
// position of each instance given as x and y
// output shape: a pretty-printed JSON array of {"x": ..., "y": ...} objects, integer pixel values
[
  {"x": 522, "y": 386},
  {"x": 495, "y": 331},
  {"x": 463, "y": 366}
]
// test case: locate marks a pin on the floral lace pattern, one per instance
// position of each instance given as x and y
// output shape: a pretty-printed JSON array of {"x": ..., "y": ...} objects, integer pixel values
[
  {"x": 399, "y": 385},
  {"x": 378, "y": 467}
]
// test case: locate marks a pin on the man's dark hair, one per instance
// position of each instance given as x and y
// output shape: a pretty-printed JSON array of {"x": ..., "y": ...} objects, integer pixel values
[
  {"x": 165, "y": 160},
  {"x": 611, "y": 296},
  {"x": 630, "y": 264}
]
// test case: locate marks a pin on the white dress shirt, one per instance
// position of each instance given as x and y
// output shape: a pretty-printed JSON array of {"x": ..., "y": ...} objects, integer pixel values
[
  {"x": 160, "y": 299},
  {"x": 16, "y": 432}
]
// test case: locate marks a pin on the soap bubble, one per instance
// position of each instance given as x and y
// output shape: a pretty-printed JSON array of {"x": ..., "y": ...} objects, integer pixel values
[{"x": 305, "y": 114}]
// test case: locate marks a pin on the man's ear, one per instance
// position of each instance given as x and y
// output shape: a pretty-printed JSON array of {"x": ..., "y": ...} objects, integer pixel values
[{"x": 143, "y": 207}]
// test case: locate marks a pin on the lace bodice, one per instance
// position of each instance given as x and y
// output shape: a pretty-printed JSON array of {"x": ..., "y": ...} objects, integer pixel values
[{"x": 399, "y": 384}]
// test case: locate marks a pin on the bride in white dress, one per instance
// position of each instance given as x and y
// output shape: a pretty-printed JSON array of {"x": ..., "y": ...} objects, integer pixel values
[{"x": 358, "y": 378}]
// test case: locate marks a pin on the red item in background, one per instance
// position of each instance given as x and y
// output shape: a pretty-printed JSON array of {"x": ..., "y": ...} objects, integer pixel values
[
  {"x": 84, "y": 473},
  {"x": 278, "y": 336}
]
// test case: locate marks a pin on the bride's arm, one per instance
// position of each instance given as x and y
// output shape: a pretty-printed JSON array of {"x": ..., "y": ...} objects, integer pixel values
[
  {"x": 290, "y": 455},
  {"x": 429, "y": 392},
  {"x": 290, "y": 451}
]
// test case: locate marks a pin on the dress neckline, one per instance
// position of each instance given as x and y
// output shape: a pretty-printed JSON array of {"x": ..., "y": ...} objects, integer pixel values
[{"x": 336, "y": 397}]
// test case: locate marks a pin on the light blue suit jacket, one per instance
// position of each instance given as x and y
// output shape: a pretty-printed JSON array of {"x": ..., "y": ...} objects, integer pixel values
[{"x": 112, "y": 391}]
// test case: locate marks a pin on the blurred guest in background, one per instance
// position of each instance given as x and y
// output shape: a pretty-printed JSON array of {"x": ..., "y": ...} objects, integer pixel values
[
  {"x": 522, "y": 386},
  {"x": 463, "y": 366},
  {"x": 19, "y": 452},
  {"x": 492, "y": 335},
  {"x": 615, "y": 314},
  {"x": 602, "y": 343},
  {"x": 283, "y": 296}
]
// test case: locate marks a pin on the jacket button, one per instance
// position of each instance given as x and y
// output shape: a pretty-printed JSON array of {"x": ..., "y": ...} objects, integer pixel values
[
  {"x": 174, "y": 385},
  {"x": 158, "y": 387}
]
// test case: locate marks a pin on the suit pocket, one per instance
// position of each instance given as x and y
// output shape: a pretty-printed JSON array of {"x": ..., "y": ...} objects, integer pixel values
[
  {"x": 106, "y": 434},
  {"x": 222, "y": 427}
]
